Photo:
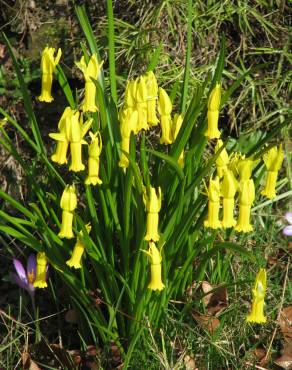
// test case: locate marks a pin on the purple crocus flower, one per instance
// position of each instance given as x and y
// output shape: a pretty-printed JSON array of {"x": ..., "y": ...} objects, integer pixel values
[
  {"x": 288, "y": 229},
  {"x": 25, "y": 279}
]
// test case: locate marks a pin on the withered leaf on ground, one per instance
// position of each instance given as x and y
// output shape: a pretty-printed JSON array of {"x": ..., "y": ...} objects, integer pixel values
[
  {"x": 206, "y": 321},
  {"x": 216, "y": 300},
  {"x": 189, "y": 362},
  {"x": 28, "y": 363},
  {"x": 285, "y": 361},
  {"x": 285, "y": 322}
]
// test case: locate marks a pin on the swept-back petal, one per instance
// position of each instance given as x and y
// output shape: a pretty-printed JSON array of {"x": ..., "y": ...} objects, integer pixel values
[
  {"x": 288, "y": 217},
  {"x": 20, "y": 270},
  {"x": 287, "y": 230}
]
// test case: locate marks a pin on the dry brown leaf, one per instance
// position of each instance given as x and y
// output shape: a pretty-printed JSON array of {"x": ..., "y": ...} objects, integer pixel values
[
  {"x": 285, "y": 322},
  {"x": 216, "y": 300},
  {"x": 28, "y": 363},
  {"x": 189, "y": 362},
  {"x": 71, "y": 316},
  {"x": 285, "y": 361},
  {"x": 206, "y": 321}
]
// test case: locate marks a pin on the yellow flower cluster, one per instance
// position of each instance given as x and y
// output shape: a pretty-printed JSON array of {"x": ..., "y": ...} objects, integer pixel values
[
  {"x": 143, "y": 100},
  {"x": 227, "y": 171}
]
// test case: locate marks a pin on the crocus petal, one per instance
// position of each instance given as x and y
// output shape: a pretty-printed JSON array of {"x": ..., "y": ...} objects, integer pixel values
[
  {"x": 287, "y": 230},
  {"x": 20, "y": 270},
  {"x": 17, "y": 280},
  {"x": 288, "y": 217},
  {"x": 31, "y": 268}
]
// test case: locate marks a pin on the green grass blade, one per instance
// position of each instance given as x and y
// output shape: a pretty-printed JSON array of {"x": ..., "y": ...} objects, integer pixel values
[
  {"x": 65, "y": 86},
  {"x": 188, "y": 58},
  {"x": 111, "y": 50}
]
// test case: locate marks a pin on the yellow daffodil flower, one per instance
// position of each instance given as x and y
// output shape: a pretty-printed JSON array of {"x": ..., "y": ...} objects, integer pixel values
[
  {"x": 41, "y": 271},
  {"x": 90, "y": 71},
  {"x": 94, "y": 152},
  {"x": 75, "y": 260},
  {"x": 273, "y": 160},
  {"x": 60, "y": 155},
  {"x": 130, "y": 95},
  {"x": 258, "y": 293},
  {"x": 212, "y": 220},
  {"x": 229, "y": 188},
  {"x": 213, "y": 113},
  {"x": 164, "y": 109},
  {"x": 155, "y": 267},
  {"x": 129, "y": 120},
  {"x": 176, "y": 126},
  {"x": 75, "y": 131},
  {"x": 246, "y": 199},
  {"x": 223, "y": 160},
  {"x": 141, "y": 104},
  {"x": 153, "y": 205},
  {"x": 68, "y": 203},
  {"x": 245, "y": 167},
  {"x": 48, "y": 66},
  {"x": 152, "y": 95}
]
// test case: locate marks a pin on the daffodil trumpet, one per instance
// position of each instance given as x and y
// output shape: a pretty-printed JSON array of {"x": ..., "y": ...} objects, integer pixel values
[
  {"x": 94, "y": 152},
  {"x": 60, "y": 155},
  {"x": 246, "y": 198},
  {"x": 176, "y": 126},
  {"x": 152, "y": 96},
  {"x": 273, "y": 160},
  {"x": 222, "y": 160},
  {"x": 68, "y": 204},
  {"x": 213, "y": 113},
  {"x": 41, "y": 271},
  {"x": 259, "y": 291},
  {"x": 155, "y": 259},
  {"x": 213, "y": 193},
  {"x": 153, "y": 205},
  {"x": 90, "y": 72},
  {"x": 229, "y": 188},
  {"x": 48, "y": 66},
  {"x": 129, "y": 120},
  {"x": 141, "y": 104},
  {"x": 79, "y": 248},
  {"x": 165, "y": 109},
  {"x": 76, "y": 130}
]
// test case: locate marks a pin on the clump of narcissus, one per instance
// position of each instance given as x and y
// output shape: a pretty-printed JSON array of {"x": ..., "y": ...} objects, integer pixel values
[
  {"x": 155, "y": 259},
  {"x": 213, "y": 192},
  {"x": 273, "y": 160},
  {"x": 48, "y": 66},
  {"x": 259, "y": 291}
]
